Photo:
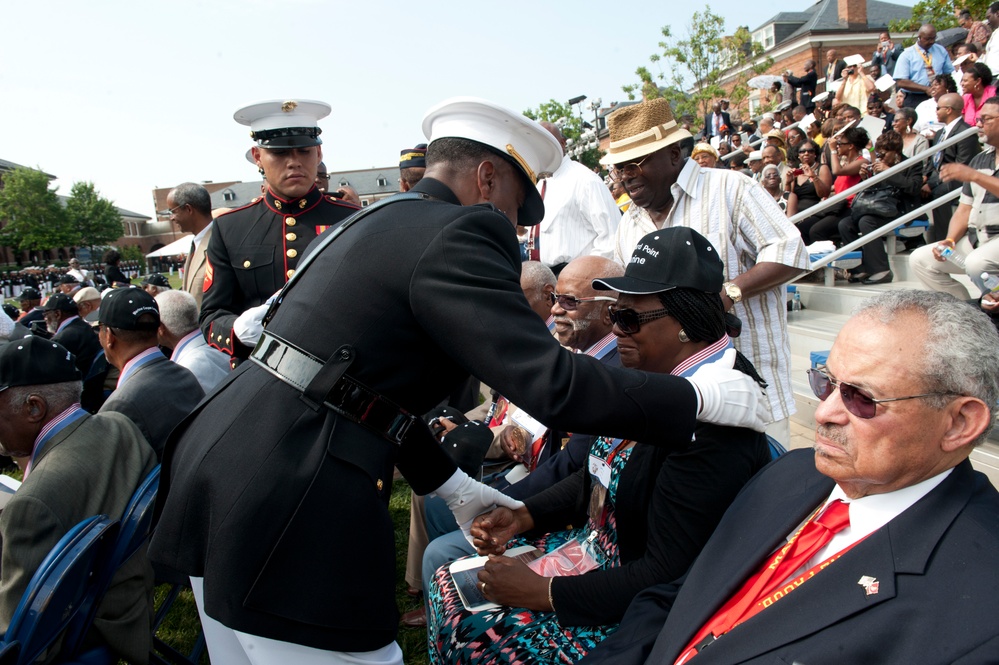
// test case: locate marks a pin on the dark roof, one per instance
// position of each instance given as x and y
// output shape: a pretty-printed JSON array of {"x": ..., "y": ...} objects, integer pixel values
[
  {"x": 823, "y": 16},
  {"x": 121, "y": 211},
  {"x": 10, "y": 166},
  {"x": 364, "y": 181}
]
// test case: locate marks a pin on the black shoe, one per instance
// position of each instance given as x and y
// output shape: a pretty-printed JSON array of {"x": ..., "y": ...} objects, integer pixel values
[
  {"x": 855, "y": 277},
  {"x": 879, "y": 278}
]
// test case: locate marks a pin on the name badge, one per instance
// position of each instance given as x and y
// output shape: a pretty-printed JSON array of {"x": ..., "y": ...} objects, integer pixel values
[{"x": 600, "y": 470}]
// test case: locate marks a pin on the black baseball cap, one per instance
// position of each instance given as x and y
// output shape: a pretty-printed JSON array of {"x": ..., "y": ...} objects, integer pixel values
[
  {"x": 61, "y": 302},
  {"x": 33, "y": 361},
  {"x": 30, "y": 294},
  {"x": 68, "y": 279},
  {"x": 677, "y": 257},
  {"x": 156, "y": 279},
  {"x": 122, "y": 309}
]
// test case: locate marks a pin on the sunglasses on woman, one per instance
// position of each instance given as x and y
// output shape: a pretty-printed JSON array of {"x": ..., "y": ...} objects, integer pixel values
[
  {"x": 570, "y": 303},
  {"x": 630, "y": 322},
  {"x": 856, "y": 400}
]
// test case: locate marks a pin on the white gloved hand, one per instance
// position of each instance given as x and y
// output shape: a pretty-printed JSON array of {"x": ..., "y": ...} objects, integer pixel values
[
  {"x": 726, "y": 396},
  {"x": 468, "y": 498},
  {"x": 249, "y": 325}
]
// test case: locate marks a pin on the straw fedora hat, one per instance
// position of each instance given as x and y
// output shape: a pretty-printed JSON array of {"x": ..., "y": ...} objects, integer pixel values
[{"x": 639, "y": 130}]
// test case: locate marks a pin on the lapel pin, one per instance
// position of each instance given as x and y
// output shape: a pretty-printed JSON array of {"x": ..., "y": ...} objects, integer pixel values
[{"x": 870, "y": 584}]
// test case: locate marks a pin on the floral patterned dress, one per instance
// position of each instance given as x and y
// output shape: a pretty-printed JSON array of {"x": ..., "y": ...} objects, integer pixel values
[{"x": 513, "y": 634}]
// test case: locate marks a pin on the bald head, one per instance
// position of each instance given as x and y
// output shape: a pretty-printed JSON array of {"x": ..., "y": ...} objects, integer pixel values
[
  {"x": 556, "y": 132},
  {"x": 589, "y": 322},
  {"x": 950, "y": 107}
]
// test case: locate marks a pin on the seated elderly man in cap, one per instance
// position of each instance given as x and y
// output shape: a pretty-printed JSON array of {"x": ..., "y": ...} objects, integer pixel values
[
  {"x": 153, "y": 392},
  {"x": 155, "y": 283},
  {"x": 422, "y": 290},
  {"x": 412, "y": 166},
  {"x": 76, "y": 465},
  {"x": 62, "y": 317},
  {"x": 871, "y": 548},
  {"x": 88, "y": 301},
  {"x": 31, "y": 306},
  {"x": 255, "y": 249},
  {"x": 762, "y": 250},
  {"x": 179, "y": 331}
]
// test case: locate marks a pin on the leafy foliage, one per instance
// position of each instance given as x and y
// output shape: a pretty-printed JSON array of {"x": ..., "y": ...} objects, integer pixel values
[
  {"x": 93, "y": 219},
  {"x": 941, "y": 13},
  {"x": 692, "y": 68},
  {"x": 34, "y": 218},
  {"x": 563, "y": 116},
  {"x": 131, "y": 253}
]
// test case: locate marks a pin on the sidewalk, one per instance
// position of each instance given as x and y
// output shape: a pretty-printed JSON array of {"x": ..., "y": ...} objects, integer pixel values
[{"x": 801, "y": 436}]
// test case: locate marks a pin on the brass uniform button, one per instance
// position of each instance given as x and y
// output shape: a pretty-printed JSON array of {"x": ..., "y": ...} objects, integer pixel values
[
  {"x": 246, "y": 264},
  {"x": 290, "y": 221},
  {"x": 290, "y": 273},
  {"x": 379, "y": 484},
  {"x": 227, "y": 340},
  {"x": 290, "y": 237},
  {"x": 220, "y": 338},
  {"x": 292, "y": 253}
]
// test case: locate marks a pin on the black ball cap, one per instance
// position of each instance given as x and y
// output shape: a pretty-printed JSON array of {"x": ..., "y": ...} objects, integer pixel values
[
  {"x": 30, "y": 294},
  {"x": 122, "y": 308},
  {"x": 68, "y": 279},
  {"x": 677, "y": 257},
  {"x": 61, "y": 302},
  {"x": 33, "y": 361},
  {"x": 156, "y": 279}
]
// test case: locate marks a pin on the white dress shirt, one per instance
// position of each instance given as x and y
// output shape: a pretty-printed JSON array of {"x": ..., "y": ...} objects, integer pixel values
[{"x": 581, "y": 216}]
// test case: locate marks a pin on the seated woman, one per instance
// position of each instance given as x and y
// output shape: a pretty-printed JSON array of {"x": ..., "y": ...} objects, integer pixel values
[
  {"x": 912, "y": 141},
  {"x": 808, "y": 184},
  {"x": 976, "y": 82},
  {"x": 878, "y": 205},
  {"x": 649, "y": 511},
  {"x": 849, "y": 166}
]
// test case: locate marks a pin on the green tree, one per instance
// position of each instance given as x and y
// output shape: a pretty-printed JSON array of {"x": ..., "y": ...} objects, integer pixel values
[
  {"x": 93, "y": 219},
  {"x": 692, "y": 68},
  {"x": 561, "y": 114},
  {"x": 35, "y": 220},
  {"x": 940, "y": 13},
  {"x": 131, "y": 253}
]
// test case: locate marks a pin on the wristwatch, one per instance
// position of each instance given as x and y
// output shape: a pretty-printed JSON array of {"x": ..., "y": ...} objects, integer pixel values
[{"x": 732, "y": 291}]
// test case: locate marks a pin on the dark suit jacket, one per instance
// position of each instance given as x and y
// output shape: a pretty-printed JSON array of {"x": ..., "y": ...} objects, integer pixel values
[
  {"x": 938, "y": 594},
  {"x": 806, "y": 84},
  {"x": 961, "y": 153},
  {"x": 80, "y": 340},
  {"x": 837, "y": 71},
  {"x": 156, "y": 398},
  {"x": 416, "y": 288},
  {"x": 90, "y": 467},
  {"x": 709, "y": 127}
]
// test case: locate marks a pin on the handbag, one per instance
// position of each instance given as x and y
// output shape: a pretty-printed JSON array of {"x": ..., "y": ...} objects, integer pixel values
[{"x": 882, "y": 202}]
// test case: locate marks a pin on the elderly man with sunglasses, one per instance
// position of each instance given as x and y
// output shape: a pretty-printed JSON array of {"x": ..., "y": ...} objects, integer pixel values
[
  {"x": 761, "y": 249},
  {"x": 874, "y": 547}
]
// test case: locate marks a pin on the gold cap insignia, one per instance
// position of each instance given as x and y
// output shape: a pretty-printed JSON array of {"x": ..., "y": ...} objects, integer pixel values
[{"x": 288, "y": 107}]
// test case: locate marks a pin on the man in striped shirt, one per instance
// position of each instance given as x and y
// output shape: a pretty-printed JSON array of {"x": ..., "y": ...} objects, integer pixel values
[{"x": 761, "y": 249}]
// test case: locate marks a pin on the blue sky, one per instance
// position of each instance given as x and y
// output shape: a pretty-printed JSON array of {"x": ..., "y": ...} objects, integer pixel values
[{"x": 136, "y": 95}]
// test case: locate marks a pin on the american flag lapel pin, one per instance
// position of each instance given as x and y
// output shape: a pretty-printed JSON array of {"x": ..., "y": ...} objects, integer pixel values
[{"x": 870, "y": 584}]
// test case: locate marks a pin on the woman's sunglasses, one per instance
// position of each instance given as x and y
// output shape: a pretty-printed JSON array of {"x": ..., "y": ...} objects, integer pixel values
[{"x": 630, "y": 322}]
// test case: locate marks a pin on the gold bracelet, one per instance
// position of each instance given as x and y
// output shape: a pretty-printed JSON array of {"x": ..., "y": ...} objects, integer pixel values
[{"x": 551, "y": 603}]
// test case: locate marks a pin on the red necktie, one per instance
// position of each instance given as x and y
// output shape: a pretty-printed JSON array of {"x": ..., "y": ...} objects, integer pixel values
[
  {"x": 748, "y": 601},
  {"x": 534, "y": 234}
]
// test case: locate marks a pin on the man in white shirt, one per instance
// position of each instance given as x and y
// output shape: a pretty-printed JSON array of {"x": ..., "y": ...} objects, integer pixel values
[
  {"x": 761, "y": 249},
  {"x": 905, "y": 575},
  {"x": 179, "y": 331},
  {"x": 991, "y": 57},
  {"x": 581, "y": 216}
]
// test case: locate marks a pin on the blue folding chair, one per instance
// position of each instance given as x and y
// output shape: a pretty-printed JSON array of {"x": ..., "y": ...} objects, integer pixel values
[
  {"x": 64, "y": 583},
  {"x": 136, "y": 525}
]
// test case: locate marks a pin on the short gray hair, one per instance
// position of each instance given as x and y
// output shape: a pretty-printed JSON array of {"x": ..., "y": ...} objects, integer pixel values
[
  {"x": 194, "y": 195},
  {"x": 178, "y": 311},
  {"x": 537, "y": 275},
  {"x": 58, "y": 396},
  {"x": 960, "y": 354}
]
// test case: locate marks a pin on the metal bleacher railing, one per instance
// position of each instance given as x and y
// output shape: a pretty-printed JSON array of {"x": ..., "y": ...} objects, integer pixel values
[{"x": 897, "y": 223}]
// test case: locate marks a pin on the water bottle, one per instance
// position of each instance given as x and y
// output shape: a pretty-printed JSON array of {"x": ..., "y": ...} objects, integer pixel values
[
  {"x": 991, "y": 282},
  {"x": 948, "y": 253},
  {"x": 796, "y": 302}
]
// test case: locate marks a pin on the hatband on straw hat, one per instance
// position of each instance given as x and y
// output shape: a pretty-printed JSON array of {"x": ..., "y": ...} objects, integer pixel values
[{"x": 639, "y": 130}]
